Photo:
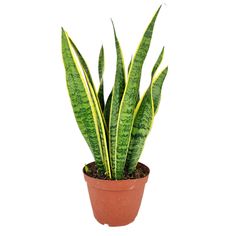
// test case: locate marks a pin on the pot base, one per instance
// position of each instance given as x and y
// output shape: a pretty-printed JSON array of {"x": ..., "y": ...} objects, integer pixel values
[{"x": 114, "y": 225}]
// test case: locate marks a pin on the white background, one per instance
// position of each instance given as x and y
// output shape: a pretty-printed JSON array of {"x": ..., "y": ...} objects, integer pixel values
[{"x": 191, "y": 149}]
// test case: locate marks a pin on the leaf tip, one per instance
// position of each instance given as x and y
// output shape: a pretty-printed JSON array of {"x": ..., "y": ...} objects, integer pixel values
[
  {"x": 159, "y": 8},
  {"x": 113, "y": 25},
  {"x": 102, "y": 50},
  {"x": 112, "y": 22},
  {"x": 114, "y": 30},
  {"x": 165, "y": 71},
  {"x": 63, "y": 32}
]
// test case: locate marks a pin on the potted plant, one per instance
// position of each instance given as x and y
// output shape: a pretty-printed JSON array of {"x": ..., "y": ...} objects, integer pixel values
[{"x": 115, "y": 131}]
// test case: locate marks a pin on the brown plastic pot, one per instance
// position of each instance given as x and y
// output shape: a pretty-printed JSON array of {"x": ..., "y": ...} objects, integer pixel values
[{"x": 115, "y": 202}]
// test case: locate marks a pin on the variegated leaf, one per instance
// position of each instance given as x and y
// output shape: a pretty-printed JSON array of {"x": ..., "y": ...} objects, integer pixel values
[
  {"x": 144, "y": 114},
  {"x": 129, "y": 100},
  {"x": 89, "y": 80},
  {"x": 142, "y": 124},
  {"x": 85, "y": 110},
  {"x": 83, "y": 63},
  {"x": 117, "y": 94}
]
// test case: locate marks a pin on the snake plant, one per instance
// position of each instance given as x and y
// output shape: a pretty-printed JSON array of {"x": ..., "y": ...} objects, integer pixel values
[{"x": 115, "y": 131}]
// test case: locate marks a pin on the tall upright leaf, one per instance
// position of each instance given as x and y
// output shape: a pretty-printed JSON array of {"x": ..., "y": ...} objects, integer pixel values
[
  {"x": 141, "y": 127},
  {"x": 82, "y": 103},
  {"x": 83, "y": 63},
  {"x": 100, "y": 72},
  {"x": 129, "y": 100},
  {"x": 144, "y": 114},
  {"x": 118, "y": 90},
  {"x": 100, "y": 117},
  {"x": 89, "y": 80},
  {"x": 102, "y": 130},
  {"x": 85, "y": 108}
]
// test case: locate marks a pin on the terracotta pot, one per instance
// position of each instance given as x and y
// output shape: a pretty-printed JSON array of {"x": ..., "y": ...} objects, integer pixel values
[{"x": 115, "y": 202}]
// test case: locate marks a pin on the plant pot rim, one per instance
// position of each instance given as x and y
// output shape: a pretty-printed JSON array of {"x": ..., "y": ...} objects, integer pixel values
[{"x": 114, "y": 180}]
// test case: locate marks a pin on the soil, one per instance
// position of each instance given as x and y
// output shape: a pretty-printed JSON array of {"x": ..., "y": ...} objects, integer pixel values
[{"x": 140, "y": 172}]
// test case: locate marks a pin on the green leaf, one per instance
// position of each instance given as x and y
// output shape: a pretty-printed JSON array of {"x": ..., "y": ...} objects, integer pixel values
[
  {"x": 108, "y": 108},
  {"x": 144, "y": 114},
  {"x": 83, "y": 63},
  {"x": 141, "y": 127},
  {"x": 89, "y": 80},
  {"x": 117, "y": 94},
  {"x": 156, "y": 88},
  {"x": 100, "y": 72},
  {"x": 128, "y": 73},
  {"x": 129, "y": 100},
  {"x": 158, "y": 62},
  {"x": 84, "y": 107}
]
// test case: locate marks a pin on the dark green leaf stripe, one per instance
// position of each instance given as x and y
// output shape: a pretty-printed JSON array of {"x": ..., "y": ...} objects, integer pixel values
[
  {"x": 117, "y": 94},
  {"x": 156, "y": 88},
  {"x": 100, "y": 73},
  {"x": 107, "y": 109},
  {"x": 82, "y": 103},
  {"x": 129, "y": 100},
  {"x": 158, "y": 62},
  {"x": 141, "y": 127}
]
